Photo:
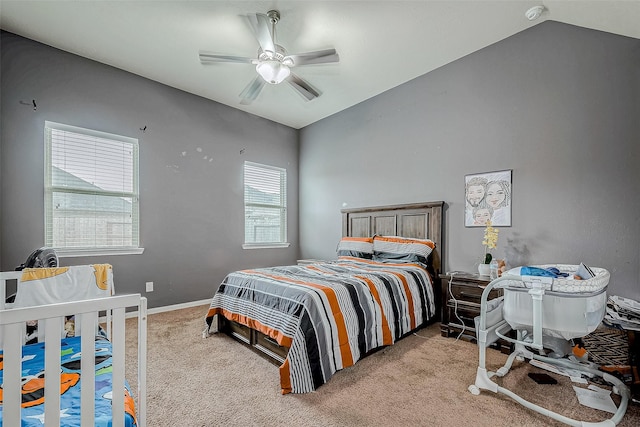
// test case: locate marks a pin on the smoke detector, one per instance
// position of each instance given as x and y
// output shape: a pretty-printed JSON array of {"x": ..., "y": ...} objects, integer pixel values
[{"x": 534, "y": 13}]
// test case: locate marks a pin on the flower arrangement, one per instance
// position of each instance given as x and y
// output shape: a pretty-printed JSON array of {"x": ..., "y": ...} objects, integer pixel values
[{"x": 490, "y": 241}]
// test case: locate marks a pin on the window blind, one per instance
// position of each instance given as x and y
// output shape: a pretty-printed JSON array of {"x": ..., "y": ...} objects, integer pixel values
[
  {"x": 265, "y": 204},
  {"x": 91, "y": 189}
]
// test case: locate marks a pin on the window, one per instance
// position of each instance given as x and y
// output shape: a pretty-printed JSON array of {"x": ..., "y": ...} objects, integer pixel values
[
  {"x": 265, "y": 206},
  {"x": 91, "y": 191}
]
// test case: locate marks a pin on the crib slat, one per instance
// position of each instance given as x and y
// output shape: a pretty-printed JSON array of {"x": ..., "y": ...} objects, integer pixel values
[
  {"x": 3, "y": 292},
  {"x": 142, "y": 363},
  {"x": 12, "y": 321},
  {"x": 52, "y": 372},
  {"x": 87, "y": 322},
  {"x": 118, "y": 367},
  {"x": 12, "y": 373}
]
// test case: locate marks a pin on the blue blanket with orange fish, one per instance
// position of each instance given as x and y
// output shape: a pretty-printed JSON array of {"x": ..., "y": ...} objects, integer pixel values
[{"x": 32, "y": 412}]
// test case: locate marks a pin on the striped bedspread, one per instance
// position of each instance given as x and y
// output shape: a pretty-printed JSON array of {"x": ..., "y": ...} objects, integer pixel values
[{"x": 330, "y": 315}]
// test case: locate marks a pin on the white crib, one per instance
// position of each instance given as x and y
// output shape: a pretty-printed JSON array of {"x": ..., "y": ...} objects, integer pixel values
[
  {"x": 545, "y": 313},
  {"x": 51, "y": 318}
]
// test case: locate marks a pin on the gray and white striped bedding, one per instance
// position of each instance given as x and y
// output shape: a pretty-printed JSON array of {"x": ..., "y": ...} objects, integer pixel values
[{"x": 330, "y": 315}]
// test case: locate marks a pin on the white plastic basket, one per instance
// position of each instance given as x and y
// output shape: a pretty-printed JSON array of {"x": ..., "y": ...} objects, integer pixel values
[
  {"x": 570, "y": 308},
  {"x": 569, "y": 284}
]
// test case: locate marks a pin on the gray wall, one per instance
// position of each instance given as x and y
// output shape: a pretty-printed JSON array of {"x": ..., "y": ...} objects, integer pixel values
[
  {"x": 557, "y": 104},
  {"x": 191, "y": 208}
]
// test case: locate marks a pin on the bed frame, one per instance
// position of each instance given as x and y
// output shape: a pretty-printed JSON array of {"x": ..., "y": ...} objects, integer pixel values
[
  {"x": 415, "y": 220},
  {"x": 12, "y": 324}
]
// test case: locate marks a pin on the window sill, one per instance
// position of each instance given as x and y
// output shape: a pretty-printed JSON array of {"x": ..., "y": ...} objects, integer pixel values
[
  {"x": 265, "y": 245},
  {"x": 69, "y": 253}
]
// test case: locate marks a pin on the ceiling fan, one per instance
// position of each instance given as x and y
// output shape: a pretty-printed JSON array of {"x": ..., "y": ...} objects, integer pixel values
[{"x": 273, "y": 64}]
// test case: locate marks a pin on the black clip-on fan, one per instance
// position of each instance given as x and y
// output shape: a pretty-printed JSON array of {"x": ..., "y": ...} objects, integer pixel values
[{"x": 43, "y": 257}]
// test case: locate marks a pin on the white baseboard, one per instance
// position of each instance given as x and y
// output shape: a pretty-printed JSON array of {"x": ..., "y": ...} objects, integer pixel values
[{"x": 166, "y": 308}]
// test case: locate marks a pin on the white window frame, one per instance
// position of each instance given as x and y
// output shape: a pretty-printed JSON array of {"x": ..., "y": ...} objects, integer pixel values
[
  {"x": 282, "y": 243},
  {"x": 49, "y": 190}
]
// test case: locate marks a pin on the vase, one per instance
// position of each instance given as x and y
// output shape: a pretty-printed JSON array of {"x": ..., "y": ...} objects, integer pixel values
[{"x": 484, "y": 270}]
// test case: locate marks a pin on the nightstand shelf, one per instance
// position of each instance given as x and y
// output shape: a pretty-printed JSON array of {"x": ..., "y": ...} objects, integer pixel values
[{"x": 461, "y": 304}]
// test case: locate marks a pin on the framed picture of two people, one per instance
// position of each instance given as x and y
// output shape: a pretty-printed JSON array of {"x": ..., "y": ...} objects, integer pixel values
[{"x": 488, "y": 197}]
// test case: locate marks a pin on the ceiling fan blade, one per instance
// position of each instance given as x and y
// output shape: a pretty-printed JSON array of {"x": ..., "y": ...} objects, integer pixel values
[
  {"x": 317, "y": 57},
  {"x": 211, "y": 58},
  {"x": 252, "y": 90},
  {"x": 260, "y": 25},
  {"x": 303, "y": 87}
]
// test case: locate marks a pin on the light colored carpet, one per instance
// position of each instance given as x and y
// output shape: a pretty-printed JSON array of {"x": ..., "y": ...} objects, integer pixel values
[{"x": 420, "y": 381}]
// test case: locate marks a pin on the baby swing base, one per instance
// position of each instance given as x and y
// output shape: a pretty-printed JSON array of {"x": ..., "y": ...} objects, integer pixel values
[{"x": 533, "y": 336}]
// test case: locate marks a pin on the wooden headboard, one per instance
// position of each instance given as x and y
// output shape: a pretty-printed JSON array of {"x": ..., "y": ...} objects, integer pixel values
[{"x": 417, "y": 220}]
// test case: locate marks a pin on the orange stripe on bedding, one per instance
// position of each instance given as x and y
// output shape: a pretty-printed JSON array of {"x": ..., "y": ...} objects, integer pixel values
[
  {"x": 359, "y": 239},
  {"x": 406, "y": 240},
  {"x": 404, "y": 284},
  {"x": 280, "y": 338},
  {"x": 343, "y": 337},
  {"x": 349, "y": 258},
  {"x": 212, "y": 312},
  {"x": 285, "y": 377},
  {"x": 386, "y": 332}
]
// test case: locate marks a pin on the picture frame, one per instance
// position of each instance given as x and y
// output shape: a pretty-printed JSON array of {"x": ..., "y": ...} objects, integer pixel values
[{"x": 488, "y": 196}]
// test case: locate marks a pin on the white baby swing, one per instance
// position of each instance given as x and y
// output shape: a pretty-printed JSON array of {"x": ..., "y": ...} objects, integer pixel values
[{"x": 545, "y": 312}]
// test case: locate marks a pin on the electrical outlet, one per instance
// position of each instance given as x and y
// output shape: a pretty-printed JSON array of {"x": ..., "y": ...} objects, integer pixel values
[{"x": 149, "y": 286}]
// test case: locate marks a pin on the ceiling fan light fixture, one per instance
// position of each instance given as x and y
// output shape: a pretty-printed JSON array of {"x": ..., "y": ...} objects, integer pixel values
[
  {"x": 273, "y": 72},
  {"x": 273, "y": 64}
]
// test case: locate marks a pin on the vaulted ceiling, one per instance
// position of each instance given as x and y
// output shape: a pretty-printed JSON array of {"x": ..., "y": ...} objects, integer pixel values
[{"x": 382, "y": 44}]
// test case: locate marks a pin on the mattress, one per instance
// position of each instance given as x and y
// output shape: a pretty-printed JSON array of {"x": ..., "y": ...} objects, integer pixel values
[
  {"x": 33, "y": 384},
  {"x": 330, "y": 315}
]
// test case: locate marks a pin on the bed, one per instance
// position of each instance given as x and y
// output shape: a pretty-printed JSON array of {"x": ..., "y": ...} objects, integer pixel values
[
  {"x": 313, "y": 320},
  {"x": 75, "y": 380}
]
